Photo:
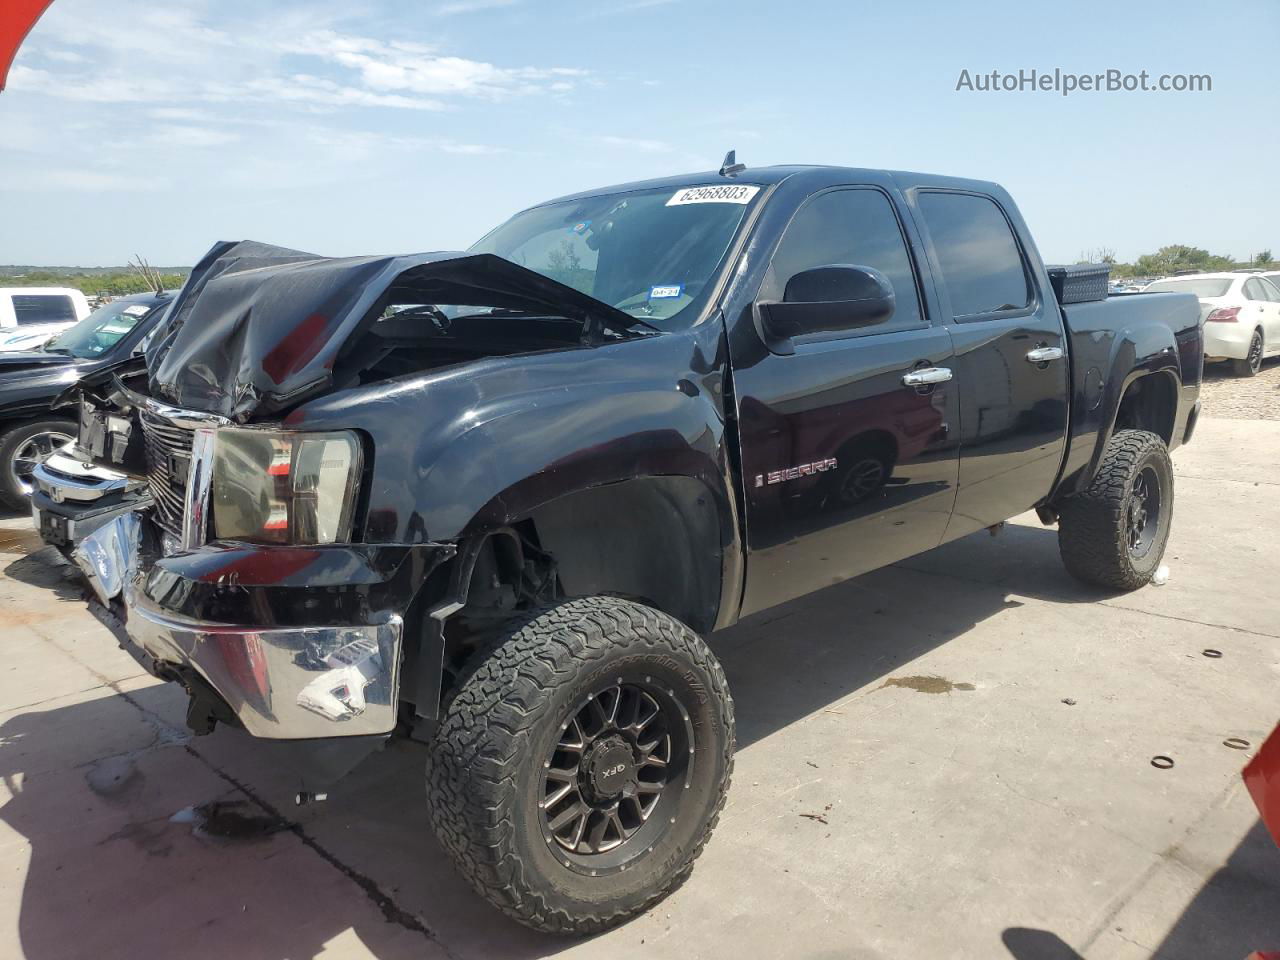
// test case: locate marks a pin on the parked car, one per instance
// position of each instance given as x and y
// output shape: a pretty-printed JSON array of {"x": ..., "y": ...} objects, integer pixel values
[
  {"x": 1241, "y": 314},
  {"x": 31, "y": 315},
  {"x": 30, "y": 430},
  {"x": 500, "y": 521}
]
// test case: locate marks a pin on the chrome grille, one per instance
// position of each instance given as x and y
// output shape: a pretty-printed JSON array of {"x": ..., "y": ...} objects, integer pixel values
[{"x": 166, "y": 445}]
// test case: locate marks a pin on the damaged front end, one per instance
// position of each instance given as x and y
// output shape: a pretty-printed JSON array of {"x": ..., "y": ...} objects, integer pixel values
[
  {"x": 241, "y": 565},
  {"x": 250, "y": 566}
]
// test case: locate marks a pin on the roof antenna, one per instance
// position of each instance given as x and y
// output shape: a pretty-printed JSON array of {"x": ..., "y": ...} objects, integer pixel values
[{"x": 731, "y": 167}]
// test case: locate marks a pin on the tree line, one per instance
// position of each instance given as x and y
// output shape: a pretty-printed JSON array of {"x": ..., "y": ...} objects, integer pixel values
[
  {"x": 1176, "y": 258},
  {"x": 116, "y": 284}
]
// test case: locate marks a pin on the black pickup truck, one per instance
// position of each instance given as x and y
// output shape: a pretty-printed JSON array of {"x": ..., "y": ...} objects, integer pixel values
[{"x": 492, "y": 500}]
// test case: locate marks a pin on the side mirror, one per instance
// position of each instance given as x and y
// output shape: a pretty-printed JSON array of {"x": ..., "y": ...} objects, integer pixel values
[{"x": 831, "y": 298}]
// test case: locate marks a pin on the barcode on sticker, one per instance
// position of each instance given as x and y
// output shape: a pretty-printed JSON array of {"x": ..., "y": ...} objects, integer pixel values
[{"x": 719, "y": 193}]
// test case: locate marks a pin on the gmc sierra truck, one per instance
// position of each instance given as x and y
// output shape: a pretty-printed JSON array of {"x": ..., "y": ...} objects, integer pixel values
[{"x": 493, "y": 500}]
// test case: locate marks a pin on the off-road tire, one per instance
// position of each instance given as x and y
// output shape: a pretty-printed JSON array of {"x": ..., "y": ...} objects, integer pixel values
[
  {"x": 1251, "y": 364},
  {"x": 12, "y": 438},
  {"x": 1092, "y": 529},
  {"x": 485, "y": 773}
]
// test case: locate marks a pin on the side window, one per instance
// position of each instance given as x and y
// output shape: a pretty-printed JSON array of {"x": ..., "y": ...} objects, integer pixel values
[
  {"x": 1253, "y": 290},
  {"x": 1271, "y": 291},
  {"x": 977, "y": 253},
  {"x": 43, "y": 308},
  {"x": 853, "y": 227}
]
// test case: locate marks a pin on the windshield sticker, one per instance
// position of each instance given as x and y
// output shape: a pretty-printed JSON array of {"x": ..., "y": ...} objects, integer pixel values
[
  {"x": 582, "y": 227},
  {"x": 668, "y": 292},
  {"x": 136, "y": 310},
  {"x": 722, "y": 193}
]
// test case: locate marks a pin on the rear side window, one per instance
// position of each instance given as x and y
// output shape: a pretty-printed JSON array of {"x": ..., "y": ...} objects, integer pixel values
[
  {"x": 1204, "y": 287},
  {"x": 1270, "y": 290},
  {"x": 1253, "y": 290},
  {"x": 36, "y": 308},
  {"x": 858, "y": 227},
  {"x": 977, "y": 253}
]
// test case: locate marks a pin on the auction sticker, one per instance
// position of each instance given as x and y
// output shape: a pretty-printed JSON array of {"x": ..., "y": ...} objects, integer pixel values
[
  {"x": 667, "y": 292},
  {"x": 716, "y": 193}
]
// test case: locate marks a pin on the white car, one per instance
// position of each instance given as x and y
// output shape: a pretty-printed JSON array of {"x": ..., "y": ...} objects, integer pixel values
[
  {"x": 1241, "y": 313},
  {"x": 31, "y": 315}
]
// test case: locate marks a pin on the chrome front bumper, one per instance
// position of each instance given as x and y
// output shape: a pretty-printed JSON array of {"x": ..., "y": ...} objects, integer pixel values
[{"x": 283, "y": 683}]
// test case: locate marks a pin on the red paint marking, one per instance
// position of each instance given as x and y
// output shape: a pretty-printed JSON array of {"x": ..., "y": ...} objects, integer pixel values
[
  {"x": 1262, "y": 777},
  {"x": 17, "y": 17},
  {"x": 297, "y": 348}
]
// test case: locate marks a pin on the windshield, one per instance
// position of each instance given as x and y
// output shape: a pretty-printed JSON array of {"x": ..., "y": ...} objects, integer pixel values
[
  {"x": 650, "y": 253},
  {"x": 99, "y": 331},
  {"x": 1206, "y": 287}
]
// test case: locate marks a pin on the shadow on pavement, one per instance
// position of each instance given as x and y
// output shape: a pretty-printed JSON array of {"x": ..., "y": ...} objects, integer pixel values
[
  {"x": 109, "y": 875},
  {"x": 1231, "y": 916}
]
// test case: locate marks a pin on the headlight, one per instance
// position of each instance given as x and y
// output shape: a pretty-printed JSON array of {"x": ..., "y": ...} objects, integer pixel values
[{"x": 284, "y": 488}]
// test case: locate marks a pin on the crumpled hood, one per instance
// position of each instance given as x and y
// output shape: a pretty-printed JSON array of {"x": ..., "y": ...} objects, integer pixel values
[{"x": 259, "y": 328}]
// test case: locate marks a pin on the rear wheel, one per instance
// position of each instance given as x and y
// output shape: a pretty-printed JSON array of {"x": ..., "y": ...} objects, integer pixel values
[
  {"x": 22, "y": 447},
  {"x": 582, "y": 764},
  {"x": 1114, "y": 534},
  {"x": 1252, "y": 363}
]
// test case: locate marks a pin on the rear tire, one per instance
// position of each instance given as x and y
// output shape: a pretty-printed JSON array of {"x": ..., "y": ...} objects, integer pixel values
[
  {"x": 1251, "y": 364},
  {"x": 560, "y": 701},
  {"x": 1114, "y": 533},
  {"x": 21, "y": 446}
]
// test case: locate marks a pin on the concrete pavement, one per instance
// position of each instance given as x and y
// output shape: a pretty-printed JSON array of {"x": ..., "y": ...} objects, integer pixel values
[{"x": 869, "y": 816}]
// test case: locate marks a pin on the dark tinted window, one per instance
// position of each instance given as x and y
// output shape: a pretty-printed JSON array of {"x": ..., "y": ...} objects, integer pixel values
[
  {"x": 35, "y": 308},
  {"x": 980, "y": 261},
  {"x": 854, "y": 227}
]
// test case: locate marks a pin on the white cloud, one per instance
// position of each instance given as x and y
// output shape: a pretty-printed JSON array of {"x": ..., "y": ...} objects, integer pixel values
[
  {"x": 186, "y": 136},
  {"x": 88, "y": 180},
  {"x": 112, "y": 55},
  {"x": 414, "y": 68},
  {"x": 472, "y": 6},
  {"x": 633, "y": 143},
  {"x": 306, "y": 89}
]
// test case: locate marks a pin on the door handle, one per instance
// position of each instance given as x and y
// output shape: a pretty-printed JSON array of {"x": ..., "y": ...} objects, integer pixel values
[
  {"x": 1044, "y": 354},
  {"x": 925, "y": 376}
]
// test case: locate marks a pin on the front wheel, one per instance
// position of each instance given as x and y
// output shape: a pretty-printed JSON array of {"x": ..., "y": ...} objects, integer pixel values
[
  {"x": 1114, "y": 533},
  {"x": 22, "y": 447},
  {"x": 581, "y": 766}
]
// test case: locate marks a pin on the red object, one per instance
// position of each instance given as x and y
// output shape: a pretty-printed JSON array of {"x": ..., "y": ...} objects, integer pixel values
[
  {"x": 1262, "y": 777},
  {"x": 1223, "y": 315},
  {"x": 298, "y": 348},
  {"x": 17, "y": 17}
]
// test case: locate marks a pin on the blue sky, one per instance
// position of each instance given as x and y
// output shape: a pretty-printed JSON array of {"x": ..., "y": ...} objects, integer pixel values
[{"x": 156, "y": 128}]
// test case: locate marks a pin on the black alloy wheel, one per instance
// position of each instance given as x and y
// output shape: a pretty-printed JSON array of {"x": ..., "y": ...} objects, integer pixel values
[{"x": 609, "y": 780}]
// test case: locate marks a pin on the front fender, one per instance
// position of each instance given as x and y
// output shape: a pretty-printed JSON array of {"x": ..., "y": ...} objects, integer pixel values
[{"x": 478, "y": 446}]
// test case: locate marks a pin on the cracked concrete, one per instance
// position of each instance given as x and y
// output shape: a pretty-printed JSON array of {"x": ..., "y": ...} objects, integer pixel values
[{"x": 1020, "y": 818}]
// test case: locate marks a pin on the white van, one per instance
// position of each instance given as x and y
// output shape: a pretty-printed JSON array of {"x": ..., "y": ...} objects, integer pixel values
[{"x": 31, "y": 315}]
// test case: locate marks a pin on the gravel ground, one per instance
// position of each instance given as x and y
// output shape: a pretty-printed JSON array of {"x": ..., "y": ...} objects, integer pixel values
[{"x": 1240, "y": 398}]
